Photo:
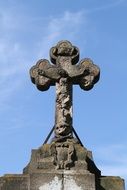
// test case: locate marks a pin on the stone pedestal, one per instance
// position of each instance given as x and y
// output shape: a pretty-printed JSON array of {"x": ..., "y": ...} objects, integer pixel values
[
  {"x": 62, "y": 181},
  {"x": 45, "y": 175},
  {"x": 42, "y": 174}
]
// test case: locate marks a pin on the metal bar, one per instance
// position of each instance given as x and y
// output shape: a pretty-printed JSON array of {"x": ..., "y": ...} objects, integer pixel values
[
  {"x": 77, "y": 136},
  {"x": 49, "y": 135}
]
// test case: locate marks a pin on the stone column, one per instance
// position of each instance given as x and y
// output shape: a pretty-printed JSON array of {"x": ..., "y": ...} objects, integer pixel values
[{"x": 63, "y": 115}]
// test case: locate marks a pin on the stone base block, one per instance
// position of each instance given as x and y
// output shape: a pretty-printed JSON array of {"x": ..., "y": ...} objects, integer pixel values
[
  {"x": 45, "y": 181},
  {"x": 63, "y": 181},
  {"x": 15, "y": 182},
  {"x": 49, "y": 181},
  {"x": 79, "y": 182},
  {"x": 112, "y": 183}
]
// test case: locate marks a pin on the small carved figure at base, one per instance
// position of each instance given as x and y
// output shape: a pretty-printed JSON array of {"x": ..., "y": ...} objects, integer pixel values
[{"x": 63, "y": 154}]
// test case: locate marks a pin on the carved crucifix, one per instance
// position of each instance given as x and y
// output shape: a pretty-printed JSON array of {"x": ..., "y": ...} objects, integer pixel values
[{"x": 63, "y": 74}]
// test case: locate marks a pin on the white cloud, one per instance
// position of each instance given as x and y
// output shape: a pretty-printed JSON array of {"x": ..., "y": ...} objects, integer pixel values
[
  {"x": 107, "y": 5},
  {"x": 64, "y": 27},
  {"x": 16, "y": 55},
  {"x": 11, "y": 60}
]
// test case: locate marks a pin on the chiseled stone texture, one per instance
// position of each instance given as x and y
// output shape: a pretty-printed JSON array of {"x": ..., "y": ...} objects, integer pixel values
[
  {"x": 41, "y": 159},
  {"x": 79, "y": 182},
  {"x": 15, "y": 182},
  {"x": 112, "y": 183},
  {"x": 64, "y": 181},
  {"x": 45, "y": 181},
  {"x": 49, "y": 181},
  {"x": 68, "y": 182},
  {"x": 56, "y": 183}
]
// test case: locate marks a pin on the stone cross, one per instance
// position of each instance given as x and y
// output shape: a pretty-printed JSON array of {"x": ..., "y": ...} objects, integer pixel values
[{"x": 63, "y": 74}]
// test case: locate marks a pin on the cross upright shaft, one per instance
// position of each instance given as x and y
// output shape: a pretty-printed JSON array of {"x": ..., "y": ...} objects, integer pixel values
[
  {"x": 63, "y": 114},
  {"x": 64, "y": 73}
]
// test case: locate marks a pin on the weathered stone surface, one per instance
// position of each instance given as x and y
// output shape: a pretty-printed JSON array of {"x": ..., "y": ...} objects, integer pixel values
[
  {"x": 79, "y": 182},
  {"x": 45, "y": 181},
  {"x": 15, "y": 182},
  {"x": 112, "y": 183},
  {"x": 60, "y": 180},
  {"x": 41, "y": 173},
  {"x": 63, "y": 119},
  {"x": 64, "y": 73},
  {"x": 81, "y": 174},
  {"x": 42, "y": 160}
]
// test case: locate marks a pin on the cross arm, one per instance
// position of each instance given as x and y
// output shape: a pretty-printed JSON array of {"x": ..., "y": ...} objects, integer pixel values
[
  {"x": 91, "y": 74},
  {"x": 44, "y": 75},
  {"x": 42, "y": 83}
]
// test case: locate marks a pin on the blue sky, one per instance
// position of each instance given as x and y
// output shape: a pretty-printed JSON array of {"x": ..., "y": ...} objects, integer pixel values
[{"x": 28, "y": 29}]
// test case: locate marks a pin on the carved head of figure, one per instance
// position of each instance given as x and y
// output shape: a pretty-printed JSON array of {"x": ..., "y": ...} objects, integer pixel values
[
  {"x": 65, "y": 48},
  {"x": 62, "y": 130}
]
